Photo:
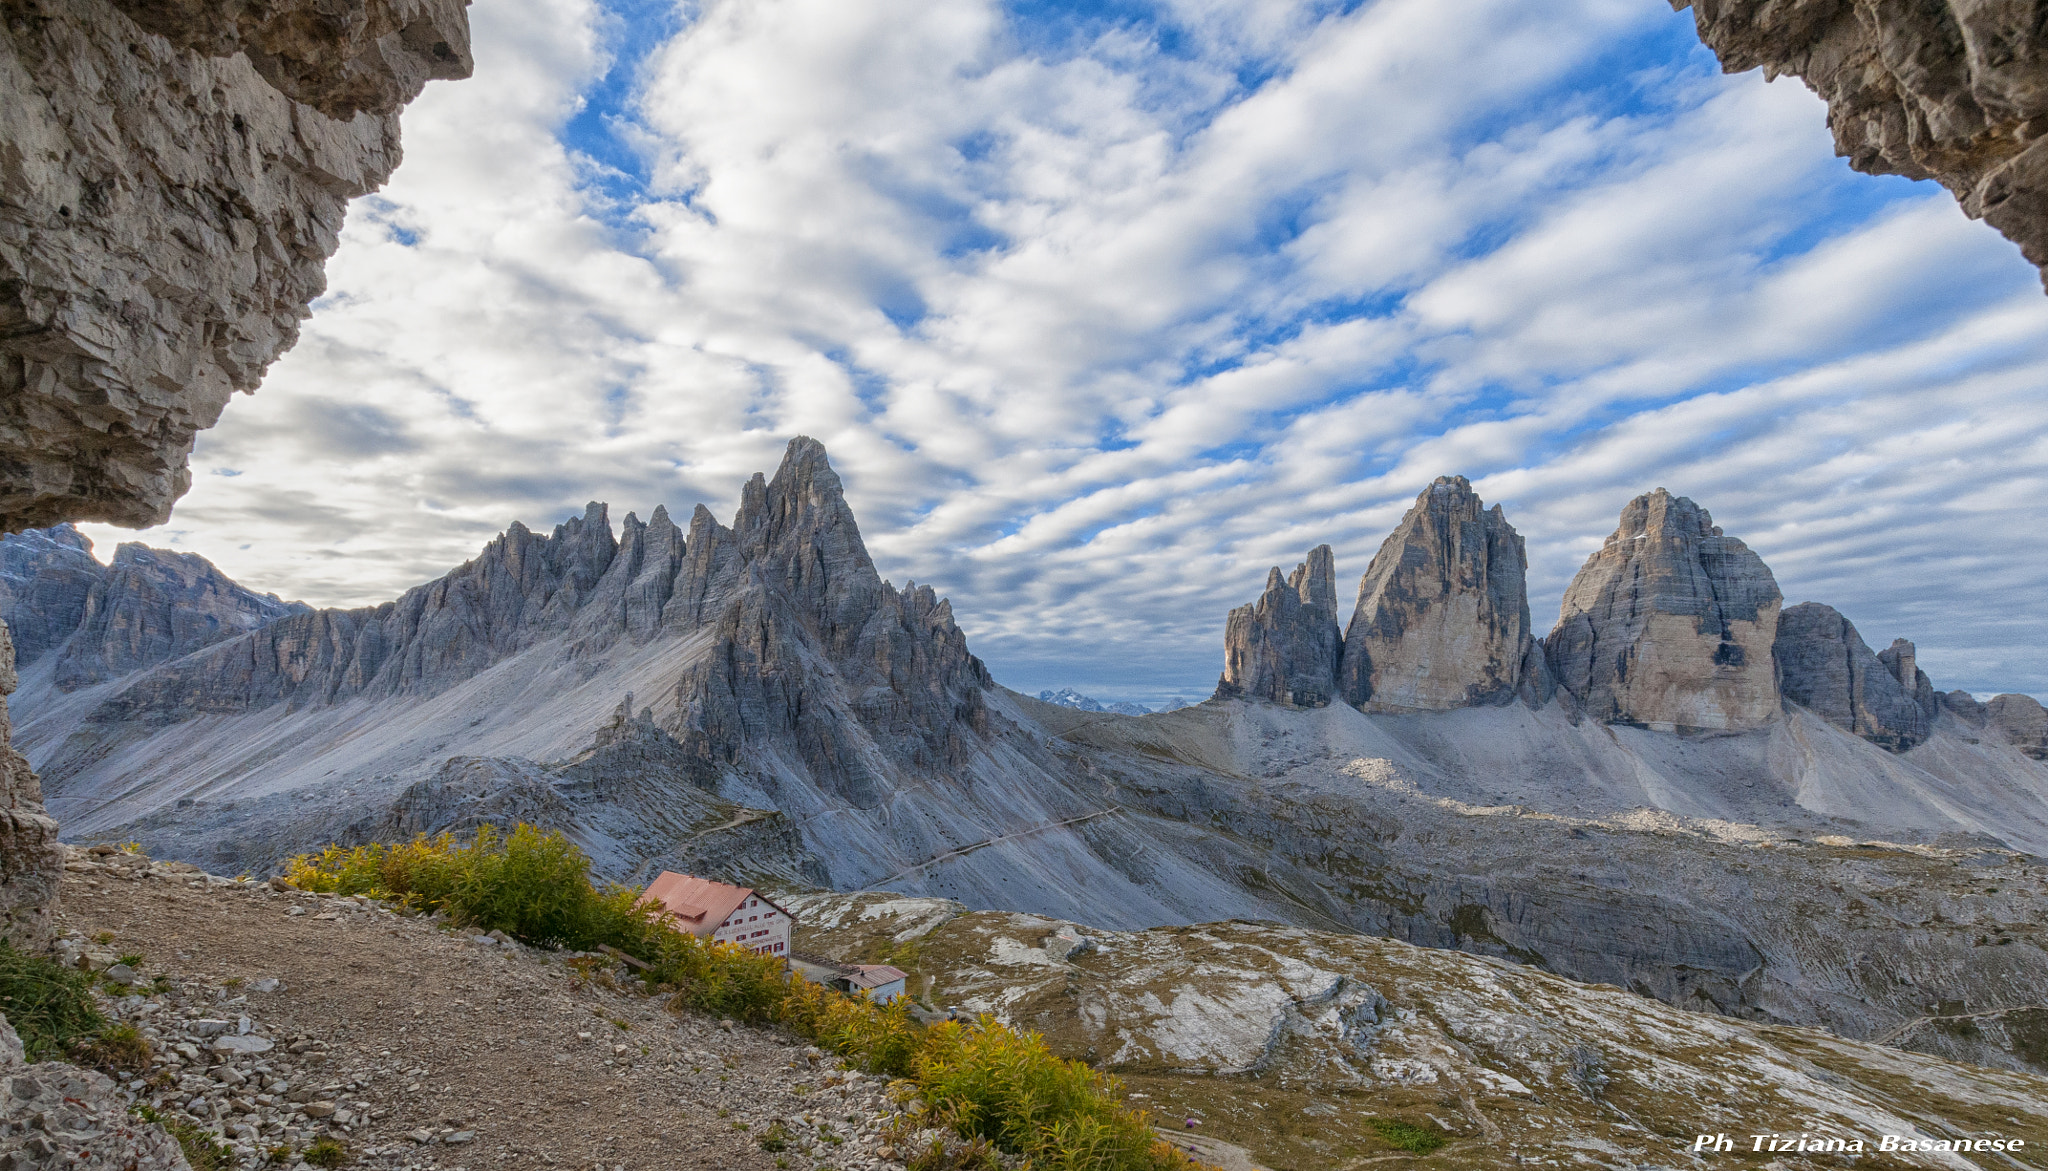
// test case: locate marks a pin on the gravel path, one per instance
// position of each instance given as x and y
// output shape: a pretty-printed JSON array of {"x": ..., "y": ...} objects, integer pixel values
[{"x": 422, "y": 1047}]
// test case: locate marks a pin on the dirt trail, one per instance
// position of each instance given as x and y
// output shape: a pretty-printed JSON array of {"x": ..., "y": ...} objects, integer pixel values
[{"x": 420, "y": 1035}]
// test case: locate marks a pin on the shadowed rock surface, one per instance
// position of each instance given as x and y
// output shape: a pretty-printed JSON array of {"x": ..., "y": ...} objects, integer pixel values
[
  {"x": 1443, "y": 612},
  {"x": 1285, "y": 648},
  {"x": 173, "y": 177},
  {"x": 1945, "y": 90},
  {"x": 1824, "y": 665},
  {"x": 31, "y": 862},
  {"x": 46, "y": 578},
  {"x": 1670, "y": 624}
]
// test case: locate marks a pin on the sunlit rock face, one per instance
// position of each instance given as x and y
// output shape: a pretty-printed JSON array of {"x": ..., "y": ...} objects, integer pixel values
[
  {"x": 173, "y": 178},
  {"x": 1670, "y": 624},
  {"x": 1443, "y": 612},
  {"x": 1285, "y": 647},
  {"x": 1824, "y": 665},
  {"x": 1947, "y": 90}
]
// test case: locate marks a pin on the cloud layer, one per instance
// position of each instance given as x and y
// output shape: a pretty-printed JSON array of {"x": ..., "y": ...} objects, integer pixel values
[{"x": 1101, "y": 316}]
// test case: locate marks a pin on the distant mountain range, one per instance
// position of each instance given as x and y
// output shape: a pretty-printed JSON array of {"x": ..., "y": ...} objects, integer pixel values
[
  {"x": 1068, "y": 697},
  {"x": 1685, "y": 789}
]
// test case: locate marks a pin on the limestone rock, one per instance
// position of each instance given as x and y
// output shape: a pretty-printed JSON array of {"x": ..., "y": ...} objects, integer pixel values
[
  {"x": 1824, "y": 665},
  {"x": 152, "y": 606},
  {"x": 523, "y": 588},
  {"x": 1955, "y": 92},
  {"x": 1285, "y": 648},
  {"x": 1902, "y": 661},
  {"x": 789, "y": 587},
  {"x": 2023, "y": 721},
  {"x": 46, "y": 580},
  {"x": 58, "y": 1115},
  {"x": 173, "y": 176},
  {"x": 1443, "y": 612},
  {"x": 1670, "y": 624},
  {"x": 31, "y": 862}
]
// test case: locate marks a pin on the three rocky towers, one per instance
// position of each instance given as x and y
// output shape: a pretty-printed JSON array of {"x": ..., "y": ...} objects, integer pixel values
[{"x": 1671, "y": 625}]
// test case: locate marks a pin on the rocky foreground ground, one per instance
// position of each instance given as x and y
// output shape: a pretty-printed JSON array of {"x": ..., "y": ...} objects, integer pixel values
[{"x": 279, "y": 1018}]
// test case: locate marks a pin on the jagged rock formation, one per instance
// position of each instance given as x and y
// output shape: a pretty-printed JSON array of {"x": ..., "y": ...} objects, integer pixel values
[
  {"x": 1443, "y": 611},
  {"x": 1670, "y": 624},
  {"x": 94, "y": 622},
  {"x": 31, "y": 862},
  {"x": 1824, "y": 665},
  {"x": 1285, "y": 647},
  {"x": 46, "y": 578},
  {"x": 58, "y": 1115},
  {"x": 2023, "y": 721},
  {"x": 780, "y": 672},
  {"x": 1947, "y": 91},
  {"x": 173, "y": 177}
]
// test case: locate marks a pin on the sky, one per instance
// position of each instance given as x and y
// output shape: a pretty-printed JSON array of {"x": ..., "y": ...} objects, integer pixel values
[{"x": 1102, "y": 309}]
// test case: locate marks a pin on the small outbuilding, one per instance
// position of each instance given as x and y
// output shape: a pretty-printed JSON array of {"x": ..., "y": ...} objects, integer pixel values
[
  {"x": 722, "y": 913},
  {"x": 879, "y": 981}
]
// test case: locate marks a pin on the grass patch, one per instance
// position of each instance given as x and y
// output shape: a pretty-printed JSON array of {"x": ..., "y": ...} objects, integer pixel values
[
  {"x": 202, "y": 1150},
  {"x": 1407, "y": 1136},
  {"x": 48, "y": 1004},
  {"x": 998, "y": 1089},
  {"x": 116, "y": 1049},
  {"x": 326, "y": 1151}
]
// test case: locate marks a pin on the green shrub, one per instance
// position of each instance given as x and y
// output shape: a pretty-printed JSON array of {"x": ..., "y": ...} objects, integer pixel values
[
  {"x": 995, "y": 1088},
  {"x": 48, "y": 1004},
  {"x": 1407, "y": 1136},
  {"x": 533, "y": 885}
]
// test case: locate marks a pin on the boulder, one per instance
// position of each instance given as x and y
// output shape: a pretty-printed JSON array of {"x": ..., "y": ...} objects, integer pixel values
[
  {"x": 1285, "y": 647},
  {"x": 1953, "y": 92},
  {"x": 1442, "y": 619},
  {"x": 1823, "y": 665},
  {"x": 1669, "y": 625}
]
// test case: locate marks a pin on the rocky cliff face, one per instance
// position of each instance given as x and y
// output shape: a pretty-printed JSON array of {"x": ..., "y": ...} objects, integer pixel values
[
  {"x": 1950, "y": 91},
  {"x": 522, "y": 589},
  {"x": 98, "y": 622},
  {"x": 30, "y": 860},
  {"x": 1443, "y": 612},
  {"x": 46, "y": 578},
  {"x": 1670, "y": 624},
  {"x": 173, "y": 176},
  {"x": 1285, "y": 648},
  {"x": 2022, "y": 720},
  {"x": 802, "y": 590},
  {"x": 1824, "y": 665}
]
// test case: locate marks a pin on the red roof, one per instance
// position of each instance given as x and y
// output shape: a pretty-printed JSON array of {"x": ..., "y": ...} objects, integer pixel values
[{"x": 698, "y": 905}]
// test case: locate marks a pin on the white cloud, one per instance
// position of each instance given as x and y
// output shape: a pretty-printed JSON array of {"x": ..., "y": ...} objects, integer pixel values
[{"x": 1098, "y": 322}]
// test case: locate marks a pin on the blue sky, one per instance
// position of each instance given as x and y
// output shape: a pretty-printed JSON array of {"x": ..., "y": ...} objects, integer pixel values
[{"x": 1102, "y": 309}]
